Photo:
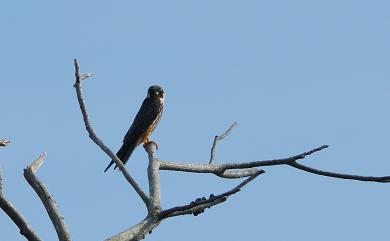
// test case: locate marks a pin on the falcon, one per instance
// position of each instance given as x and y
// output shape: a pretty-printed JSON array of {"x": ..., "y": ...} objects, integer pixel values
[{"x": 146, "y": 120}]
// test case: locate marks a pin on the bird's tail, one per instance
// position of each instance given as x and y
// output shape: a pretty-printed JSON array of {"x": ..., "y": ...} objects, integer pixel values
[{"x": 123, "y": 154}]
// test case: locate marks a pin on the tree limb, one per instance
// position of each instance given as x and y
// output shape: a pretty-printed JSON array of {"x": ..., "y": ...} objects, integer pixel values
[
  {"x": 224, "y": 170},
  {"x": 97, "y": 140},
  {"x": 155, "y": 215},
  {"x": 47, "y": 199},
  {"x": 199, "y": 205},
  {"x": 154, "y": 179},
  {"x": 383, "y": 179},
  {"x": 25, "y": 229},
  {"x": 138, "y": 231}
]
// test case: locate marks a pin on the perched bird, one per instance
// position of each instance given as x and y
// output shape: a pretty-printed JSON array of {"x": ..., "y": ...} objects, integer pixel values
[{"x": 143, "y": 125}]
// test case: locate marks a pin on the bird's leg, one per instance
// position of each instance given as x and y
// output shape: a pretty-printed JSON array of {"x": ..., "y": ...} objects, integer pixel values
[{"x": 147, "y": 142}]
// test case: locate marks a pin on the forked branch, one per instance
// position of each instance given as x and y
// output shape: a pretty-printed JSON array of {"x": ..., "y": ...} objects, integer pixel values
[
  {"x": 219, "y": 138},
  {"x": 225, "y": 170}
]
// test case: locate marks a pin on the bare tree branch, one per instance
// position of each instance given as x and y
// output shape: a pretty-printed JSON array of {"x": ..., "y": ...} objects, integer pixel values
[
  {"x": 25, "y": 229},
  {"x": 223, "y": 169},
  {"x": 217, "y": 170},
  {"x": 155, "y": 215},
  {"x": 87, "y": 75},
  {"x": 199, "y": 205},
  {"x": 4, "y": 142},
  {"x": 146, "y": 226},
  {"x": 383, "y": 179},
  {"x": 97, "y": 140},
  {"x": 219, "y": 138},
  {"x": 154, "y": 179},
  {"x": 273, "y": 162},
  {"x": 138, "y": 231},
  {"x": 47, "y": 199},
  {"x": 234, "y": 174}
]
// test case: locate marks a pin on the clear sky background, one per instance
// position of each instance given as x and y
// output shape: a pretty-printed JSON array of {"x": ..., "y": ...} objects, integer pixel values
[{"x": 294, "y": 74}]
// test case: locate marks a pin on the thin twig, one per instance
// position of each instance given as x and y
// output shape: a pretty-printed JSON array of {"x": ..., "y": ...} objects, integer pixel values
[
  {"x": 87, "y": 75},
  {"x": 4, "y": 142},
  {"x": 383, "y": 179},
  {"x": 274, "y": 161},
  {"x": 219, "y": 138},
  {"x": 47, "y": 199},
  {"x": 202, "y": 204},
  {"x": 99, "y": 142},
  {"x": 25, "y": 229}
]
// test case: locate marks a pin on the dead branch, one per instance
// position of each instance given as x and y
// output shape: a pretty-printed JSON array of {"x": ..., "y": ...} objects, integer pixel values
[
  {"x": 219, "y": 138},
  {"x": 154, "y": 179},
  {"x": 94, "y": 138},
  {"x": 383, "y": 179},
  {"x": 223, "y": 169},
  {"x": 47, "y": 199},
  {"x": 138, "y": 231},
  {"x": 146, "y": 226},
  {"x": 200, "y": 204},
  {"x": 25, "y": 229}
]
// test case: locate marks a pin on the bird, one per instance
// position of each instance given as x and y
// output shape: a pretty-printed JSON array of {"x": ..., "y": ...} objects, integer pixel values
[{"x": 144, "y": 123}]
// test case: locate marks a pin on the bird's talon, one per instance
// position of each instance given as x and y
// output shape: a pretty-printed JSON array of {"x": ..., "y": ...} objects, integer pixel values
[{"x": 150, "y": 142}]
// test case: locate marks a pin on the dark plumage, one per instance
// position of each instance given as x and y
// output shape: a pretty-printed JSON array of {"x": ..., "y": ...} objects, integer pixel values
[{"x": 143, "y": 125}]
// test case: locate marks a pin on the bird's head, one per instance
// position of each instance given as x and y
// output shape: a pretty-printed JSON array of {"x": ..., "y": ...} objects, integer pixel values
[{"x": 155, "y": 91}]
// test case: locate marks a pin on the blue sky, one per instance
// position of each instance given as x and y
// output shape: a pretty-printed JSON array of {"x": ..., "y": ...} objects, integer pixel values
[{"x": 293, "y": 74}]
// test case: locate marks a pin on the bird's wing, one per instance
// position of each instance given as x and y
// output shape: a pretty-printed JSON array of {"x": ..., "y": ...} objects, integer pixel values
[{"x": 144, "y": 119}]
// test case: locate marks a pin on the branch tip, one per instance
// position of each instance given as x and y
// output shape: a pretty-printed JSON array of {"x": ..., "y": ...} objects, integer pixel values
[
  {"x": 87, "y": 75},
  {"x": 219, "y": 138},
  {"x": 228, "y": 131},
  {"x": 47, "y": 199},
  {"x": 37, "y": 163}
]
